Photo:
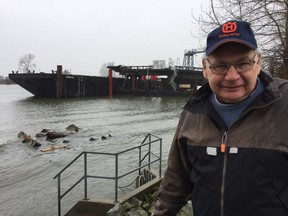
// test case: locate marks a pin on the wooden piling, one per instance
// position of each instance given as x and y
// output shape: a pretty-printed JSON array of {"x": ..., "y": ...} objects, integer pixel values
[
  {"x": 59, "y": 82},
  {"x": 110, "y": 83}
]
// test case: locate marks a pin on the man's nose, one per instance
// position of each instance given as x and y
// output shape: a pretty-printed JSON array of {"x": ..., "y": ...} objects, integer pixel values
[{"x": 232, "y": 73}]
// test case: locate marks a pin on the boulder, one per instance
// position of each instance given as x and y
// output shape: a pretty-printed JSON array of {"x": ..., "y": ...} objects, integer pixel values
[
  {"x": 117, "y": 210},
  {"x": 54, "y": 135},
  {"x": 27, "y": 139},
  {"x": 72, "y": 128}
]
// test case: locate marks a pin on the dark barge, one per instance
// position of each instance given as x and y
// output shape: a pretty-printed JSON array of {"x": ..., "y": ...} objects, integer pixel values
[
  {"x": 58, "y": 85},
  {"x": 153, "y": 80}
]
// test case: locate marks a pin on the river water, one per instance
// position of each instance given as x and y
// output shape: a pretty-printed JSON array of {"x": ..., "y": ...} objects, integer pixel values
[{"x": 27, "y": 186}]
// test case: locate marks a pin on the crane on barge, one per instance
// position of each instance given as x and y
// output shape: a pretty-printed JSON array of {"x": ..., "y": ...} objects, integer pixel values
[{"x": 189, "y": 57}]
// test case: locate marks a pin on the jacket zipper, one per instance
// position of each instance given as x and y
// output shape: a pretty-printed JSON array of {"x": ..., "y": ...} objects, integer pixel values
[{"x": 223, "y": 149}]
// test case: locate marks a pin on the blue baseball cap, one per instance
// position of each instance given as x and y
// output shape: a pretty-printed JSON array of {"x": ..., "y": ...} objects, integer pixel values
[{"x": 231, "y": 31}]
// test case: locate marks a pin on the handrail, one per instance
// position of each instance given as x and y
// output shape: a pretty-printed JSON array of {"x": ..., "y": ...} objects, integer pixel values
[{"x": 151, "y": 139}]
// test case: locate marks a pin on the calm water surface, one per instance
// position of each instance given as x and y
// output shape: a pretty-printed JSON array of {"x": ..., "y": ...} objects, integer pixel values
[{"x": 27, "y": 186}]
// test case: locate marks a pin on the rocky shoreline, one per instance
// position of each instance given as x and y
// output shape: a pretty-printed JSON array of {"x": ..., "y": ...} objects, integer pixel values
[{"x": 144, "y": 206}]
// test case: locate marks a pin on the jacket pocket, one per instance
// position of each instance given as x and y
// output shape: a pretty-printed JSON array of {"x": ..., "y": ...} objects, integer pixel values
[{"x": 276, "y": 165}]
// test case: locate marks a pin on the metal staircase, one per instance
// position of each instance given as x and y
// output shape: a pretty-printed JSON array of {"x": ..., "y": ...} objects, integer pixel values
[{"x": 146, "y": 157}]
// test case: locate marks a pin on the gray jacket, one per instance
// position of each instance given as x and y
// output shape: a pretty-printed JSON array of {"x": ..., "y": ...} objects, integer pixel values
[{"x": 249, "y": 177}]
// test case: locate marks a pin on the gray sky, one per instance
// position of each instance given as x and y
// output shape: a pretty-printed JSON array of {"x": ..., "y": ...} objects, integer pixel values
[{"x": 81, "y": 35}]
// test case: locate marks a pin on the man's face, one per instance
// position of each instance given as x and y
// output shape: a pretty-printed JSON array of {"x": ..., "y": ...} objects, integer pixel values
[{"x": 232, "y": 86}]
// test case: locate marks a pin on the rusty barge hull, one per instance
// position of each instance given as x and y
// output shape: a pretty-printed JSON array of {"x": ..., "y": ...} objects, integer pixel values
[{"x": 45, "y": 84}]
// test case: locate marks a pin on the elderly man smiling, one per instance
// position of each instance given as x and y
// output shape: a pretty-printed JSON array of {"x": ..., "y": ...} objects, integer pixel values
[{"x": 229, "y": 154}]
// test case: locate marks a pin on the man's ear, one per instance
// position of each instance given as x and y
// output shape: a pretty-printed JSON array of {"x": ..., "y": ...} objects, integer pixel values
[
  {"x": 204, "y": 66},
  {"x": 259, "y": 59}
]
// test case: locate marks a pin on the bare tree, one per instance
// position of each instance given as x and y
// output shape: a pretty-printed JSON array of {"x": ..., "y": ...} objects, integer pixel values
[
  {"x": 269, "y": 20},
  {"x": 67, "y": 72},
  {"x": 103, "y": 70},
  {"x": 26, "y": 65}
]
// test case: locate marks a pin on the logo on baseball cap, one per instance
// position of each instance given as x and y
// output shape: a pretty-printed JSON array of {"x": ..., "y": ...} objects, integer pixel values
[{"x": 231, "y": 31}]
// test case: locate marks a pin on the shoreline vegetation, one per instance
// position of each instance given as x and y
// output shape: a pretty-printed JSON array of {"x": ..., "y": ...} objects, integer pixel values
[{"x": 6, "y": 81}]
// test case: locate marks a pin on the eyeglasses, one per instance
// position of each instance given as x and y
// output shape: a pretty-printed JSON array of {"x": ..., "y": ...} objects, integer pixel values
[{"x": 241, "y": 67}]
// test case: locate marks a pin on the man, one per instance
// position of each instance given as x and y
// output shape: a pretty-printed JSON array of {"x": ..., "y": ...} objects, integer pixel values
[{"x": 230, "y": 150}]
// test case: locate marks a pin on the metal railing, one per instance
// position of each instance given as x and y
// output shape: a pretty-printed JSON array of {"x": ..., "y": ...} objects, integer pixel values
[{"x": 148, "y": 141}]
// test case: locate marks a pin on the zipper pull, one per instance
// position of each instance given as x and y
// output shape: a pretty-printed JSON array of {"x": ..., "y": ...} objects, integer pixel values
[
  {"x": 223, "y": 148},
  {"x": 223, "y": 145}
]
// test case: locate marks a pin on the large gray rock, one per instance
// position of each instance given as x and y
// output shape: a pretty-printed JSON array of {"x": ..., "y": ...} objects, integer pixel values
[
  {"x": 144, "y": 207},
  {"x": 136, "y": 202},
  {"x": 139, "y": 212},
  {"x": 186, "y": 210},
  {"x": 72, "y": 127},
  {"x": 117, "y": 210}
]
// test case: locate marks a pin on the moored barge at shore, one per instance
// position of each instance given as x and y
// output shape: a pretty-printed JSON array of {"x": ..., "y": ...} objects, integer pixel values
[
  {"x": 134, "y": 80},
  {"x": 49, "y": 85}
]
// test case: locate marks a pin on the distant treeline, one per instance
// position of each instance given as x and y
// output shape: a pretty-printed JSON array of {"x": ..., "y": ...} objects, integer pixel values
[{"x": 6, "y": 81}]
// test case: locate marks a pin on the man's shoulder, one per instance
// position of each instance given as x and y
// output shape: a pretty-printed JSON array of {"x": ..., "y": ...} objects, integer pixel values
[{"x": 281, "y": 84}]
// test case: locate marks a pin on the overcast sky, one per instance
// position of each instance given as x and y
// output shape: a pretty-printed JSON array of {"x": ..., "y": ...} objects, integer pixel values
[{"x": 81, "y": 35}]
